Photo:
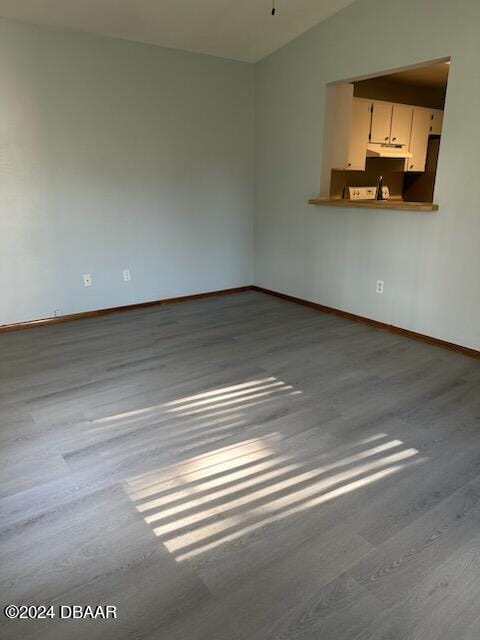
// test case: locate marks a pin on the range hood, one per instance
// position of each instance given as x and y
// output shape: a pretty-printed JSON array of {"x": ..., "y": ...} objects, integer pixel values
[{"x": 376, "y": 150}]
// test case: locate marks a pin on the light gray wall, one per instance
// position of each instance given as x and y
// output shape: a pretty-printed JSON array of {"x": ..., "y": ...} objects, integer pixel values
[
  {"x": 119, "y": 155},
  {"x": 115, "y": 155},
  {"x": 430, "y": 262}
]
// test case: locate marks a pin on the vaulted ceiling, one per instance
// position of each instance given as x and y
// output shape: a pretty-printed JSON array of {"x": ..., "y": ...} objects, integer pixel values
[{"x": 238, "y": 29}]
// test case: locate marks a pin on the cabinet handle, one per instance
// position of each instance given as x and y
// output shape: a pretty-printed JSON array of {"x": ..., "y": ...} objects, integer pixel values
[
  {"x": 394, "y": 138},
  {"x": 349, "y": 164},
  {"x": 411, "y": 166},
  {"x": 386, "y": 138}
]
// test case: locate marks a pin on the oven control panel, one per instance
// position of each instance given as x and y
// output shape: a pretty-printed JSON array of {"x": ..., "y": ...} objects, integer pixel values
[{"x": 361, "y": 193}]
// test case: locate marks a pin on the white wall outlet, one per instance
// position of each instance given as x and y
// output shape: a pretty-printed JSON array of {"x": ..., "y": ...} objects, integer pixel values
[
  {"x": 380, "y": 286},
  {"x": 87, "y": 280},
  {"x": 126, "y": 275}
]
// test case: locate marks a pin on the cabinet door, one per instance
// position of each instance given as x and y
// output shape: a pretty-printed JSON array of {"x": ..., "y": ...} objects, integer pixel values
[
  {"x": 401, "y": 124},
  {"x": 381, "y": 122},
  {"x": 357, "y": 151},
  {"x": 419, "y": 139},
  {"x": 436, "y": 121}
]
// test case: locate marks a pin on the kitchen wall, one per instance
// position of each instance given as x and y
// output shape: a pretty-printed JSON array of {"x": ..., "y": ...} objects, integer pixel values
[
  {"x": 430, "y": 262},
  {"x": 119, "y": 155}
]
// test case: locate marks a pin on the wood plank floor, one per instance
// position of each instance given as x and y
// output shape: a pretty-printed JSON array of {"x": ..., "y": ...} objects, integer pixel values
[{"x": 239, "y": 468}]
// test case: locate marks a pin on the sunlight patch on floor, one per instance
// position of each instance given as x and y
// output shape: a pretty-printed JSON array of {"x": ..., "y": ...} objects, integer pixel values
[
  {"x": 216, "y": 498},
  {"x": 228, "y": 396}
]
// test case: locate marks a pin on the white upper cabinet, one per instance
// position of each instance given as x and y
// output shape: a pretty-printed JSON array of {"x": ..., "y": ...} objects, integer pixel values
[
  {"x": 391, "y": 123},
  {"x": 347, "y": 128},
  {"x": 401, "y": 124},
  {"x": 381, "y": 122},
  {"x": 421, "y": 124},
  {"x": 436, "y": 121},
  {"x": 360, "y": 128}
]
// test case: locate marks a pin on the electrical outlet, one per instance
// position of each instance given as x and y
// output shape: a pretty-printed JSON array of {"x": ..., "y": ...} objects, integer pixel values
[
  {"x": 380, "y": 286},
  {"x": 126, "y": 275},
  {"x": 57, "y": 313},
  {"x": 87, "y": 280}
]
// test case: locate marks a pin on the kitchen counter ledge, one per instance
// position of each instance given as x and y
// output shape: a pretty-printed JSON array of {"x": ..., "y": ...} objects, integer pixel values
[{"x": 399, "y": 205}]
